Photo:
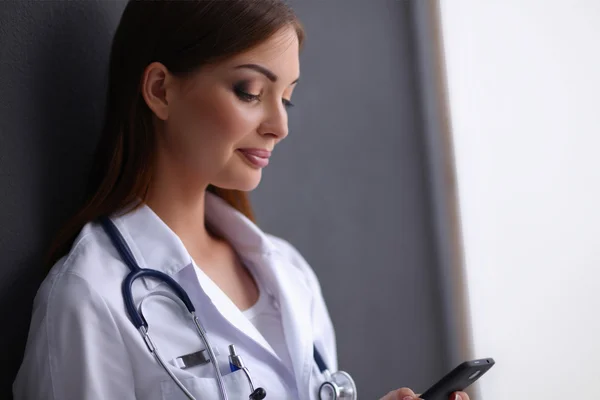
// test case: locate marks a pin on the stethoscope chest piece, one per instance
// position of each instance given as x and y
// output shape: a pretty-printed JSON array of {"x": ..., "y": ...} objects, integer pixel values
[{"x": 339, "y": 386}]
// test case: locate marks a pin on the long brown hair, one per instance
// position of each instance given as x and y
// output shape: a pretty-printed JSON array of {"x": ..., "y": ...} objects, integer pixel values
[{"x": 183, "y": 35}]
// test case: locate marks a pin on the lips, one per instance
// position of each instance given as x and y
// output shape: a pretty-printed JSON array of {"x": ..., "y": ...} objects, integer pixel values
[{"x": 257, "y": 157}]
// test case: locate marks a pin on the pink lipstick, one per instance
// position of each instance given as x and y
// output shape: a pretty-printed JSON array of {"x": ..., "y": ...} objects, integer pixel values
[{"x": 257, "y": 157}]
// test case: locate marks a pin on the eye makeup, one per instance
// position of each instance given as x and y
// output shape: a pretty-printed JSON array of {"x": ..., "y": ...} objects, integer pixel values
[{"x": 243, "y": 91}]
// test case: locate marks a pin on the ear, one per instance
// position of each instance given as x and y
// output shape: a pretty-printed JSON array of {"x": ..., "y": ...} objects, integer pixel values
[{"x": 157, "y": 82}]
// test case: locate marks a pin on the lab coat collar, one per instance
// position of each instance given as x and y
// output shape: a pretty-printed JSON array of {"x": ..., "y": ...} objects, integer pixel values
[
  {"x": 156, "y": 246},
  {"x": 153, "y": 244}
]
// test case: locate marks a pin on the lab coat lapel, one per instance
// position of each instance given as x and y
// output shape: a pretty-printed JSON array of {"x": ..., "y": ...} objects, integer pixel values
[
  {"x": 288, "y": 283},
  {"x": 211, "y": 294},
  {"x": 296, "y": 302}
]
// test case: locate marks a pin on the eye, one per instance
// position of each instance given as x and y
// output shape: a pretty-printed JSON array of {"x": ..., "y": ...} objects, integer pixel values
[
  {"x": 242, "y": 91},
  {"x": 287, "y": 103}
]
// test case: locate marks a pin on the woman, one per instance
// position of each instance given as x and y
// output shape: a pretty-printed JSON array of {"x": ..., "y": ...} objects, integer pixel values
[{"x": 197, "y": 100}]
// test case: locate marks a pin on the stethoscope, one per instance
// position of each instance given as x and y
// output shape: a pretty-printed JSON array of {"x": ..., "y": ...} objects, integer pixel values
[{"x": 337, "y": 386}]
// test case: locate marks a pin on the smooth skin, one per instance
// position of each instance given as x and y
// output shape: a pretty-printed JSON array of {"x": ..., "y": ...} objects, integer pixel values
[{"x": 202, "y": 122}]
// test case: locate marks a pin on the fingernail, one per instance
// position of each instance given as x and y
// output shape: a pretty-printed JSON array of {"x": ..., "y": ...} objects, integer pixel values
[
  {"x": 457, "y": 397},
  {"x": 407, "y": 398}
]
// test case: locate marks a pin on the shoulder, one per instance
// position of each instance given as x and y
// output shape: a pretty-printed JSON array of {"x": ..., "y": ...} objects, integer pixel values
[
  {"x": 75, "y": 322},
  {"x": 86, "y": 274}
]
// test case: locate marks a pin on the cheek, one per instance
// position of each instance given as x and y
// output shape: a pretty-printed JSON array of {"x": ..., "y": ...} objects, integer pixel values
[
  {"x": 217, "y": 120},
  {"x": 204, "y": 130}
]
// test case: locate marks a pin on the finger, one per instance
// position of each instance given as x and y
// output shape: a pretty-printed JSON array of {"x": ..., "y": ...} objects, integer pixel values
[
  {"x": 405, "y": 394},
  {"x": 390, "y": 396},
  {"x": 459, "y": 396}
]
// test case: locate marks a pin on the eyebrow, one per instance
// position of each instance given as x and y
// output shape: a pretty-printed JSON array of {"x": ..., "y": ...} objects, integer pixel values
[{"x": 266, "y": 72}]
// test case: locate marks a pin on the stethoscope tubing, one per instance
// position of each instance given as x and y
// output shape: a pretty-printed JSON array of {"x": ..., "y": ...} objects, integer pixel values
[
  {"x": 141, "y": 324},
  {"x": 137, "y": 318}
]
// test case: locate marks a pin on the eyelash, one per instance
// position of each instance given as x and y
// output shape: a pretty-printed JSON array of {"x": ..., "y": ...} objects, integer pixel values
[{"x": 243, "y": 95}]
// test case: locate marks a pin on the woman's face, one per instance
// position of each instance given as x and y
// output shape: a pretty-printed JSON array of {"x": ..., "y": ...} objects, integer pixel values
[{"x": 222, "y": 122}]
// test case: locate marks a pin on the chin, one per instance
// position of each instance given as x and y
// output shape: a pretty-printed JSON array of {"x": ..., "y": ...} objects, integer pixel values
[
  {"x": 248, "y": 187},
  {"x": 244, "y": 184}
]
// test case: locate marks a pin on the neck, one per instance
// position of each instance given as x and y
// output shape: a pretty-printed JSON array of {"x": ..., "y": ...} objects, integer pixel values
[{"x": 180, "y": 203}]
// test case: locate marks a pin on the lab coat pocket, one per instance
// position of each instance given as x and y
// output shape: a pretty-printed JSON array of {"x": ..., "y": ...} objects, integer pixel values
[{"x": 236, "y": 384}]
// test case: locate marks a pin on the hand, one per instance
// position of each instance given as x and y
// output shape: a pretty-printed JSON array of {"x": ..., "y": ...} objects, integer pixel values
[{"x": 407, "y": 394}]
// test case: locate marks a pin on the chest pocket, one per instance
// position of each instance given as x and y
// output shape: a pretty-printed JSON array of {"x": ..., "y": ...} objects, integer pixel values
[{"x": 236, "y": 384}]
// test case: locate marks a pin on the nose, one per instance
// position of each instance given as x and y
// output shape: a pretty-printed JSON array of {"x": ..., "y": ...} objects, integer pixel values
[{"x": 275, "y": 122}]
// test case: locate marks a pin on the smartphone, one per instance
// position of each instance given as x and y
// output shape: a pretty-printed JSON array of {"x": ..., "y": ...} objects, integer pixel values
[{"x": 458, "y": 379}]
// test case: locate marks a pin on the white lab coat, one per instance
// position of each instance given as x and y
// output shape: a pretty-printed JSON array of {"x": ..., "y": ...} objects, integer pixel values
[{"x": 82, "y": 345}]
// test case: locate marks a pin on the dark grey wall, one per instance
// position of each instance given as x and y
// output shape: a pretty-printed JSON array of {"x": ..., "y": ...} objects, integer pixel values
[
  {"x": 53, "y": 59},
  {"x": 349, "y": 187}
]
